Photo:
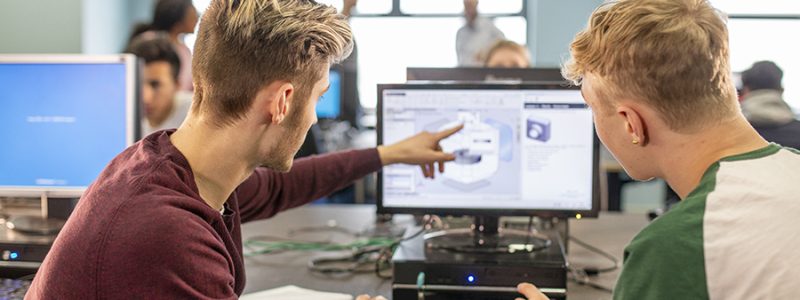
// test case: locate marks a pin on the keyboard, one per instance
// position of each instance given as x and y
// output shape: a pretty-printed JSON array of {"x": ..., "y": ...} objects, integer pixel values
[{"x": 13, "y": 289}]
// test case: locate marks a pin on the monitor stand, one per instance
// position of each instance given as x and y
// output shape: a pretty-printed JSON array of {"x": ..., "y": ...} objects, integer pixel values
[
  {"x": 54, "y": 213},
  {"x": 35, "y": 225},
  {"x": 485, "y": 236}
]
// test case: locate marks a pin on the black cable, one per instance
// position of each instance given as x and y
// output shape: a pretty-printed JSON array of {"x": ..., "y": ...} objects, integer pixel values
[
  {"x": 377, "y": 254},
  {"x": 591, "y": 271},
  {"x": 580, "y": 277},
  {"x": 387, "y": 252},
  {"x": 530, "y": 231}
]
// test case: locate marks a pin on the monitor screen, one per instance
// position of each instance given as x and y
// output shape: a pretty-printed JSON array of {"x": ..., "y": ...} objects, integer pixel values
[
  {"x": 63, "y": 120},
  {"x": 524, "y": 149},
  {"x": 330, "y": 104}
]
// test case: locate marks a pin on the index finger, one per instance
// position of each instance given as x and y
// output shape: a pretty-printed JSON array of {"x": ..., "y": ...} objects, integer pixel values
[
  {"x": 448, "y": 132},
  {"x": 531, "y": 292}
]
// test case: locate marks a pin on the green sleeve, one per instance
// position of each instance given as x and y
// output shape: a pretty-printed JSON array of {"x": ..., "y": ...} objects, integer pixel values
[{"x": 665, "y": 261}]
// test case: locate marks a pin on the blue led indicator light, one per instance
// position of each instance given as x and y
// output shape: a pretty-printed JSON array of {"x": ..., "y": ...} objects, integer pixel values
[
  {"x": 13, "y": 255},
  {"x": 470, "y": 279}
]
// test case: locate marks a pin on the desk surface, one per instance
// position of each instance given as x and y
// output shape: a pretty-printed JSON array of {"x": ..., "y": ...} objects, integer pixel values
[{"x": 611, "y": 232}]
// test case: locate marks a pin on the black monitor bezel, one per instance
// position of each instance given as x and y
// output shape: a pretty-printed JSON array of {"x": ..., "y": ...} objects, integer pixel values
[
  {"x": 481, "y": 74},
  {"x": 592, "y": 213}
]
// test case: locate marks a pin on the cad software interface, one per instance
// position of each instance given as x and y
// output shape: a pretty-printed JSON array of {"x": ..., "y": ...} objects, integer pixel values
[
  {"x": 519, "y": 149},
  {"x": 62, "y": 123}
]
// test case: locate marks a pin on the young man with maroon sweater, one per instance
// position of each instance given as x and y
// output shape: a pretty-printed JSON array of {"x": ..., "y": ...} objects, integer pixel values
[{"x": 163, "y": 220}]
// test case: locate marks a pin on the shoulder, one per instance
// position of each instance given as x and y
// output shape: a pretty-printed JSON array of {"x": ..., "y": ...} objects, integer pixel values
[
  {"x": 666, "y": 259},
  {"x": 170, "y": 236}
]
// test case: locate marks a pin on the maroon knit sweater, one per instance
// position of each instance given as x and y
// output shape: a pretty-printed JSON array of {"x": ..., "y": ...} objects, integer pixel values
[{"x": 141, "y": 231}]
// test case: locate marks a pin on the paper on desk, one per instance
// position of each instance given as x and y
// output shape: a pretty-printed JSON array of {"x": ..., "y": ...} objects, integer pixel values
[{"x": 291, "y": 292}]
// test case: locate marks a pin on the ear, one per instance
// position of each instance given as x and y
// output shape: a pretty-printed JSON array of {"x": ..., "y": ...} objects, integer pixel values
[
  {"x": 281, "y": 102},
  {"x": 634, "y": 123}
]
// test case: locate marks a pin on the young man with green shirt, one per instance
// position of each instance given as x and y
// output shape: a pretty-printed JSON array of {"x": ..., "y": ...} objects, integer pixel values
[{"x": 657, "y": 76}]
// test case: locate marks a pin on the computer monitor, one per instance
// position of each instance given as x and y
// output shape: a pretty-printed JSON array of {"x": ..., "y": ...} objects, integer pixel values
[
  {"x": 63, "y": 119},
  {"x": 471, "y": 74},
  {"x": 330, "y": 104},
  {"x": 526, "y": 149}
]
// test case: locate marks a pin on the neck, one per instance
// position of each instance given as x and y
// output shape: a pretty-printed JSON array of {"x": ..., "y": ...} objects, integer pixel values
[
  {"x": 157, "y": 122},
  {"x": 216, "y": 157},
  {"x": 685, "y": 162},
  {"x": 174, "y": 36}
]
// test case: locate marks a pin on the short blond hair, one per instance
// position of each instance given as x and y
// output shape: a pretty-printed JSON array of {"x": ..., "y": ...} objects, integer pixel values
[
  {"x": 672, "y": 54},
  {"x": 507, "y": 44},
  {"x": 243, "y": 45}
]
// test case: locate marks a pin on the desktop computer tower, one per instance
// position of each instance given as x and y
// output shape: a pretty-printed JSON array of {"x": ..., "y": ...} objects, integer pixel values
[{"x": 455, "y": 275}]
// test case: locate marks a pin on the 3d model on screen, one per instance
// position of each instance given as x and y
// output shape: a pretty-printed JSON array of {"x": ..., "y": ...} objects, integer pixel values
[
  {"x": 538, "y": 128},
  {"x": 477, "y": 150},
  {"x": 464, "y": 157}
]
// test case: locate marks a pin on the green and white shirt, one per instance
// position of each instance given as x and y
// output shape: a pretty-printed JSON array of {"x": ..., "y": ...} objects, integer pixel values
[{"x": 736, "y": 236}]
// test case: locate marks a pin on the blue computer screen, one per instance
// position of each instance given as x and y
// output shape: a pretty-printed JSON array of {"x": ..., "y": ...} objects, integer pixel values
[
  {"x": 329, "y": 105},
  {"x": 60, "y": 124}
]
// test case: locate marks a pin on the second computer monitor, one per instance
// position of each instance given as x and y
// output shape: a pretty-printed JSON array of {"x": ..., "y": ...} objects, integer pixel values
[
  {"x": 64, "y": 118},
  {"x": 330, "y": 104},
  {"x": 524, "y": 150}
]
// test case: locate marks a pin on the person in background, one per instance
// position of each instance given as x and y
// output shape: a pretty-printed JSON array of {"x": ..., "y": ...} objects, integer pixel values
[
  {"x": 475, "y": 37},
  {"x": 508, "y": 54},
  {"x": 656, "y": 74},
  {"x": 164, "y": 106},
  {"x": 176, "y": 18},
  {"x": 764, "y": 107}
]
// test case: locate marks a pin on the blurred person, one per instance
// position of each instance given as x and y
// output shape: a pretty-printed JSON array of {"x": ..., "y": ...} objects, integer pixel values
[
  {"x": 164, "y": 106},
  {"x": 163, "y": 219},
  {"x": 475, "y": 37},
  {"x": 762, "y": 95},
  {"x": 508, "y": 54},
  {"x": 656, "y": 74},
  {"x": 764, "y": 107},
  {"x": 177, "y": 18}
]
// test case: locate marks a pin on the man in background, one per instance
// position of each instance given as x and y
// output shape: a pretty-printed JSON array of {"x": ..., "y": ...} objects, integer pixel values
[
  {"x": 475, "y": 37},
  {"x": 163, "y": 104},
  {"x": 764, "y": 107}
]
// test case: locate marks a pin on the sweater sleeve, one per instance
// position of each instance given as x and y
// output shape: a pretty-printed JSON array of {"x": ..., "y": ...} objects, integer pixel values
[{"x": 266, "y": 192}]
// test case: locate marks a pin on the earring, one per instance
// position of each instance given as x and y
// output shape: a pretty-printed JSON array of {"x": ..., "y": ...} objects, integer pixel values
[{"x": 635, "y": 142}]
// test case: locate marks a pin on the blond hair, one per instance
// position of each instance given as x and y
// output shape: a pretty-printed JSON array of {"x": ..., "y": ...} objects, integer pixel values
[
  {"x": 243, "y": 45},
  {"x": 671, "y": 54},
  {"x": 507, "y": 44}
]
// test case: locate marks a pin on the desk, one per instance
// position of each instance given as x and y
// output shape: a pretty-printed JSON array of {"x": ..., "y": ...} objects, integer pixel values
[{"x": 611, "y": 232}]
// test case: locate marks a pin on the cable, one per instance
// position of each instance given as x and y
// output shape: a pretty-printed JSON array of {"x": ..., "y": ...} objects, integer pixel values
[
  {"x": 591, "y": 271},
  {"x": 530, "y": 230},
  {"x": 376, "y": 251},
  {"x": 582, "y": 275}
]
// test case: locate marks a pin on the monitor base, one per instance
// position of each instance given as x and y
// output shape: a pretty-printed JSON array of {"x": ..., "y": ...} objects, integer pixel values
[{"x": 35, "y": 225}]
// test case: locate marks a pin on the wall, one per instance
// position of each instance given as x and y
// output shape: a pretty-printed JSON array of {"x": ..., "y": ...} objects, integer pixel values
[
  {"x": 69, "y": 26},
  {"x": 551, "y": 26},
  {"x": 41, "y": 26},
  {"x": 104, "y": 26}
]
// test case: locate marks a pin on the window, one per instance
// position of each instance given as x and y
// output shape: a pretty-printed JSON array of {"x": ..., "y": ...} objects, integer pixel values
[
  {"x": 365, "y": 7},
  {"x": 457, "y": 6},
  {"x": 388, "y": 45},
  {"x": 753, "y": 40},
  {"x": 422, "y": 35},
  {"x": 761, "y": 7}
]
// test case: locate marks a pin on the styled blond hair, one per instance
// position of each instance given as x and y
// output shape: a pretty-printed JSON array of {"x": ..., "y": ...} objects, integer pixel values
[
  {"x": 243, "y": 45},
  {"x": 671, "y": 54}
]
